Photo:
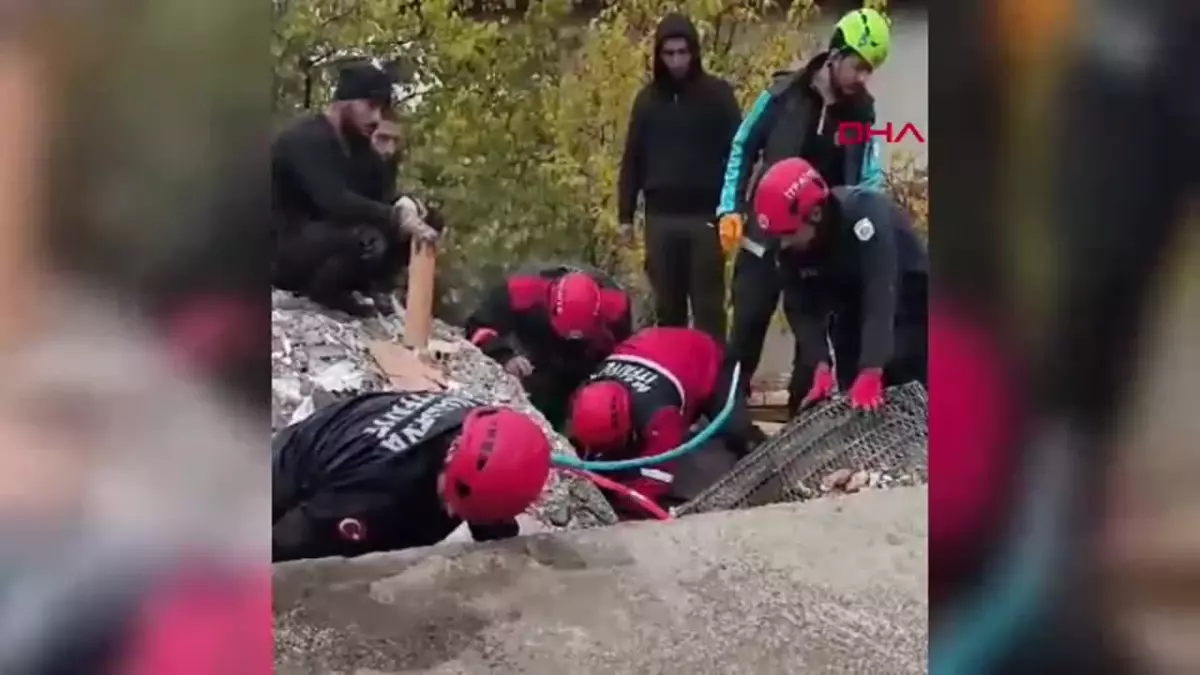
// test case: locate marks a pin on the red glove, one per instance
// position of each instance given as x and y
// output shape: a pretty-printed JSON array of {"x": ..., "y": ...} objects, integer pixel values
[
  {"x": 867, "y": 391},
  {"x": 822, "y": 386}
]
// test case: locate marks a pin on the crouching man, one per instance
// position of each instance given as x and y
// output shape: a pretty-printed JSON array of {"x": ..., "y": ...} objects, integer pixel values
[
  {"x": 387, "y": 471},
  {"x": 645, "y": 397},
  {"x": 551, "y": 326},
  {"x": 339, "y": 227}
]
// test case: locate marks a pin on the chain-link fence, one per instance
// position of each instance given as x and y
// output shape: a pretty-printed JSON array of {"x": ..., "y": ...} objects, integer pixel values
[{"x": 891, "y": 444}]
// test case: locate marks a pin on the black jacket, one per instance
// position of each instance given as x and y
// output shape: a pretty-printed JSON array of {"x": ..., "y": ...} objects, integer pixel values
[
  {"x": 320, "y": 175},
  {"x": 374, "y": 457},
  {"x": 784, "y": 122},
  {"x": 866, "y": 246},
  {"x": 678, "y": 137}
]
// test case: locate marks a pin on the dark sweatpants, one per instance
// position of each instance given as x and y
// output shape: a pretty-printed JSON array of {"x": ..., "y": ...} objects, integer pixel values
[
  {"x": 757, "y": 286},
  {"x": 684, "y": 263},
  {"x": 327, "y": 262}
]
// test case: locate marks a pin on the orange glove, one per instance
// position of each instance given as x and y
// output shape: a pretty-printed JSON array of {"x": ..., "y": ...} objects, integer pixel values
[{"x": 730, "y": 228}]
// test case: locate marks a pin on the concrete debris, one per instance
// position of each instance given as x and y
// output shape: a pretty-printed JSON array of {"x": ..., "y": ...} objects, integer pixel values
[
  {"x": 318, "y": 355},
  {"x": 846, "y": 481}
]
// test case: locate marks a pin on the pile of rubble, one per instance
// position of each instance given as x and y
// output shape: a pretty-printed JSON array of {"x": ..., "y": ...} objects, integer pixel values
[{"x": 318, "y": 356}]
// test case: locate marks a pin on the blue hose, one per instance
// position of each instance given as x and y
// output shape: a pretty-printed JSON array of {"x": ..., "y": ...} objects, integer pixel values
[{"x": 691, "y": 445}]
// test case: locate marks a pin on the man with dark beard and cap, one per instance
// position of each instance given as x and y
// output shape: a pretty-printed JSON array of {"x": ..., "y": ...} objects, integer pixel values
[{"x": 335, "y": 221}]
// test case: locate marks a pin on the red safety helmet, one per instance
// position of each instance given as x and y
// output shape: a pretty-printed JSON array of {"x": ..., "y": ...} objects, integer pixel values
[
  {"x": 600, "y": 415},
  {"x": 787, "y": 195},
  {"x": 496, "y": 467},
  {"x": 575, "y": 305}
]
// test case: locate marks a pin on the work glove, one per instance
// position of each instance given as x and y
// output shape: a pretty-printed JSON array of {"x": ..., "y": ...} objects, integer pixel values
[
  {"x": 518, "y": 366},
  {"x": 410, "y": 215},
  {"x": 822, "y": 386},
  {"x": 730, "y": 226},
  {"x": 867, "y": 391}
]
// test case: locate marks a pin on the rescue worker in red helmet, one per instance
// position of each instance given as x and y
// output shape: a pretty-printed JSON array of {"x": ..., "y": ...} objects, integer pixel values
[
  {"x": 860, "y": 264},
  {"x": 551, "y": 326},
  {"x": 386, "y": 471},
  {"x": 645, "y": 397}
]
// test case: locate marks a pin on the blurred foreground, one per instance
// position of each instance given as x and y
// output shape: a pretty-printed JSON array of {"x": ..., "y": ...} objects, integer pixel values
[
  {"x": 134, "y": 397},
  {"x": 1062, "y": 446}
]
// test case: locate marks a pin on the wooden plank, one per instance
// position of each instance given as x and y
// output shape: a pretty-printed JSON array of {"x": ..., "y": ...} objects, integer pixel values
[
  {"x": 418, "y": 308},
  {"x": 767, "y": 399},
  {"x": 404, "y": 369}
]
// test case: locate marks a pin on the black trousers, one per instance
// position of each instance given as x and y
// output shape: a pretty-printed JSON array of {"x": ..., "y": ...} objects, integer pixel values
[
  {"x": 758, "y": 284},
  {"x": 327, "y": 262},
  {"x": 686, "y": 266}
]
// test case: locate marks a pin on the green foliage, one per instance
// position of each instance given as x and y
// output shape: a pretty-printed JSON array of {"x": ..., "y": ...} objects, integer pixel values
[{"x": 520, "y": 138}]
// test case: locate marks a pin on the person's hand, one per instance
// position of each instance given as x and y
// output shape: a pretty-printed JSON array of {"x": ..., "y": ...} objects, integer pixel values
[
  {"x": 518, "y": 366},
  {"x": 821, "y": 388},
  {"x": 867, "y": 391},
  {"x": 408, "y": 214},
  {"x": 729, "y": 227},
  {"x": 625, "y": 231}
]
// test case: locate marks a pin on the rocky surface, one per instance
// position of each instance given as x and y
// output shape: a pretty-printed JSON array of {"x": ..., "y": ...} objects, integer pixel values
[{"x": 318, "y": 355}]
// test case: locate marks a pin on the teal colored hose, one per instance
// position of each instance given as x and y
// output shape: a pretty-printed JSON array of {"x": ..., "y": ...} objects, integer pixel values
[{"x": 693, "y": 444}]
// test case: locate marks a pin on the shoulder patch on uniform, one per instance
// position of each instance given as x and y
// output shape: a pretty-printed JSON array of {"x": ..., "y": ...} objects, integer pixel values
[{"x": 864, "y": 229}]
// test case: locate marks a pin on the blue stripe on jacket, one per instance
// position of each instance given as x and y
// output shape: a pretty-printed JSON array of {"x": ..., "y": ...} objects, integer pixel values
[{"x": 737, "y": 154}]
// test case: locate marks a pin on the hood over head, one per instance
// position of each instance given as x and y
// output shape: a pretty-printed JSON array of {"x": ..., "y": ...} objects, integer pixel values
[{"x": 676, "y": 25}]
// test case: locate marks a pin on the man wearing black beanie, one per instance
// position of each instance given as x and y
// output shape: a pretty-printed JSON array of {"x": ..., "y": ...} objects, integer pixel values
[{"x": 335, "y": 218}]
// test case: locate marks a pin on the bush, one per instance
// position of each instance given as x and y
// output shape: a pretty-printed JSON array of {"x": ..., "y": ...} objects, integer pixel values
[{"x": 521, "y": 135}]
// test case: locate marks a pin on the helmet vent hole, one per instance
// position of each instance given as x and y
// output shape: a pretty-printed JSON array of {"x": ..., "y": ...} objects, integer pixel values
[{"x": 462, "y": 490}]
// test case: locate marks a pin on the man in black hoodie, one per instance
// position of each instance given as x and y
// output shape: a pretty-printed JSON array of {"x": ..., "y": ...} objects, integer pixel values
[{"x": 676, "y": 147}]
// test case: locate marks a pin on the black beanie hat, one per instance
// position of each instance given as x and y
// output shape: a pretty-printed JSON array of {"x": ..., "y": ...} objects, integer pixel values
[{"x": 363, "y": 81}]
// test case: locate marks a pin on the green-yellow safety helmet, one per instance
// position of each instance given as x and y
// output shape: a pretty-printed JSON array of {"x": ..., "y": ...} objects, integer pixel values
[{"x": 865, "y": 32}]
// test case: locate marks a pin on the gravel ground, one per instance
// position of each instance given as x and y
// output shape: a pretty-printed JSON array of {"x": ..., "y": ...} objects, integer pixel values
[{"x": 318, "y": 355}]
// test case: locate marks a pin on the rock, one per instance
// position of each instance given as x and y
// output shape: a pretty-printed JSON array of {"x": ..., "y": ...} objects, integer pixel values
[
  {"x": 317, "y": 353},
  {"x": 835, "y": 480},
  {"x": 858, "y": 481},
  {"x": 803, "y": 491}
]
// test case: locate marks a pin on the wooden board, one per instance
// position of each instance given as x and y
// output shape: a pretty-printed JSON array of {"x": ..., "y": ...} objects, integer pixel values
[
  {"x": 767, "y": 399},
  {"x": 404, "y": 369},
  {"x": 418, "y": 308}
]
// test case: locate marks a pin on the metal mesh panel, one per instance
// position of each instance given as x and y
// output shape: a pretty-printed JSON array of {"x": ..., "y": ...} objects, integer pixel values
[{"x": 790, "y": 466}]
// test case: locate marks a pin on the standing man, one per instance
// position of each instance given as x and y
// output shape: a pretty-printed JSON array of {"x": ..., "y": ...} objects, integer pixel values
[
  {"x": 797, "y": 116},
  {"x": 680, "y": 130},
  {"x": 332, "y": 205}
]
